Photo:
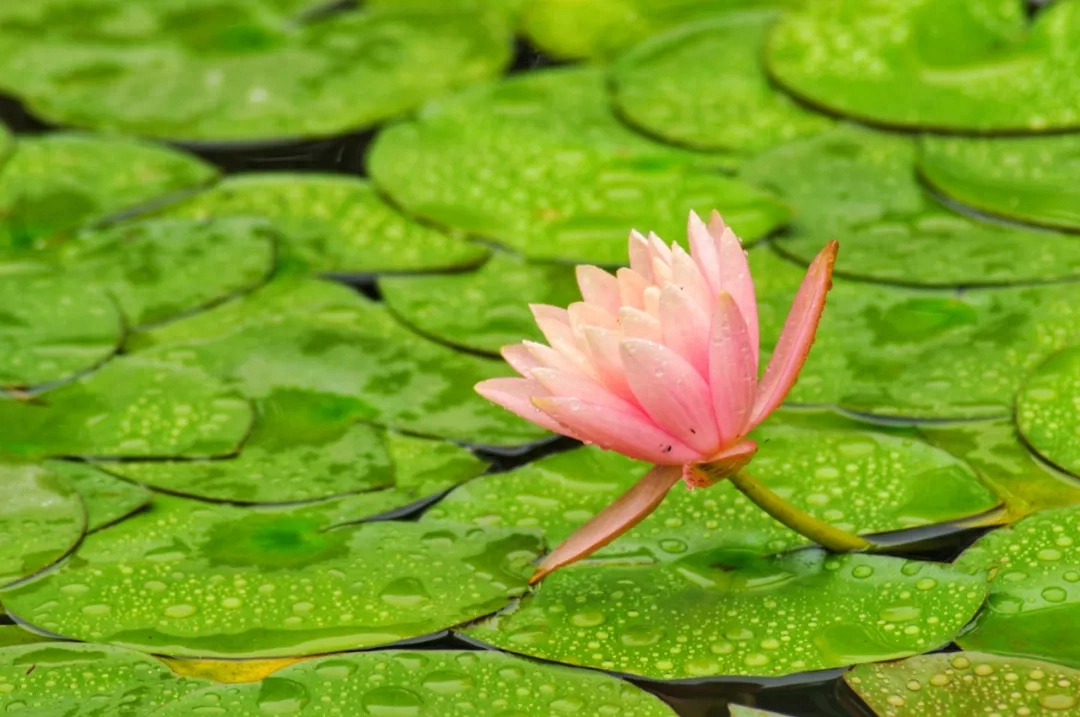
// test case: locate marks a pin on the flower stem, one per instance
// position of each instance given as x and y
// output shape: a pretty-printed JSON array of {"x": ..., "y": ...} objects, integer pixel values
[{"x": 823, "y": 534}]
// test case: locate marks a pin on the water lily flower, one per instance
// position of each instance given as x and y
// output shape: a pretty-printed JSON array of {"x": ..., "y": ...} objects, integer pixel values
[{"x": 660, "y": 363}]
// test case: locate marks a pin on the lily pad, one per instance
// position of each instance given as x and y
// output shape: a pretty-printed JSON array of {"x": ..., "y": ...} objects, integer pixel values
[
  {"x": 978, "y": 66},
  {"x": 233, "y": 72},
  {"x": 107, "y": 499},
  {"x": 52, "y": 328},
  {"x": 664, "y": 88},
  {"x": 1048, "y": 410},
  {"x": 334, "y": 224},
  {"x": 13, "y": 635},
  {"x": 481, "y": 310},
  {"x": 196, "y": 579},
  {"x": 332, "y": 343},
  {"x": 444, "y": 683},
  {"x": 7, "y": 143},
  {"x": 61, "y": 678},
  {"x": 1028, "y": 179},
  {"x": 132, "y": 407},
  {"x": 859, "y": 186},
  {"x": 161, "y": 269},
  {"x": 727, "y": 614},
  {"x": 959, "y": 684},
  {"x": 41, "y": 519},
  {"x": 55, "y": 182},
  {"x": 1034, "y": 605},
  {"x": 228, "y": 671},
  {"x": 539, "y": 163},
  {"x": 830, "y": 473}
]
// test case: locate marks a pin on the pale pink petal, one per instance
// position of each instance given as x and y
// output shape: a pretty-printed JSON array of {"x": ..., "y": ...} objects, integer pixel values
[
  {"x": 627, "y": 511},
  {"x": 599, "y": 287},
  {"x": 629, "y": 432},
  {"x": 547, "y": 356},
  {"x": 735, "y": 276},
  {"x": 632, "y": 286},
  {"x": 687, "y": 275},
  {"x": 640, "y": 255},
  {"x": 515, "y": 395},
  {"x": 672, "y": 393},
  {"x": 685, "y": 328},
  {"x": 719, "y": 467},
  {"x": 703, "y": 250},
  {"x": 607, "y": 364},
  {"x": 732, "y": 374},
  {"x": 795, "y": 340},
  {"x": 659, "y": 250},
  {"x": 636, "y": 324},
  {"x": 554, "y": 323},
  {"x": 557, "y": 383},
  {"x": 661, "y": 272},
  {"x": 583, "y": 315},
  {"x": 652, "y": 302},
  {"x": 520, "y": 358}
]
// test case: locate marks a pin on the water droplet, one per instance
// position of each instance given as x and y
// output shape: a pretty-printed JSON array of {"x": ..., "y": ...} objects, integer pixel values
[
  {"x": 1057, "y": 702},
  {"x": 75, "y": 589},
  {"x": 589, "y": 618},
  {"x": 960, "y": 662},
  {"x": 939, "y": 679},
  {"x": 1054, "y": 594},
  {"x": 447, "y": 682},
  {"x": 392, "y": 702},
  {"x": 179, "y": 611},
  {"x": 96, "y": 610},
  {"x": 1033, "y": 686},
  {"x": 671, "y": 545},
  {"x": 278, "y": 696},
  {"x": 641, "y": 635},
  {"x": 862, "y": 571},
  {"x": 1048, "y": 554},
  {"x": 926, "y": 584},
  {"x": 900, "y": 613},
  {"x": 756, "y": 659},
  {"x": 914, "y": 685},
  {"x": 895, "y": 700},
  {"x": 982, "y": 670},
  {"x": 335, "y": 669},
  {"x": 405, "y": 592},
  {"x": 231, "y": 603}
]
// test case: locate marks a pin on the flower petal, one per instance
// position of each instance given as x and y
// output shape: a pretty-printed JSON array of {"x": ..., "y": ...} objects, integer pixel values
[
  {"x": 599, "y": 288},
  {"x": 632, "y": 286},
  {"x": 795, "y": 340},
  {"x": 559, "y": 384},
  {"x": 640, "y": 256},
  {"x": 547, "y": 356},
  {"x": 732, "y": 370},
  {"x": 636, "y": 324},
  {"x": 606, "y": 362},
  {"x": 735, "y": 276},
  {"x": 515, "y": 395},
  {"x": 584, "y": 315},
  {"x": 628, "y": 510},
  {"x": 719, "y": 467},
  {"x": 685, "y": 274},
  {"x": 685, "y": 328},
  {"x": 554, "y": 323},
  {"x": 704, "y": 252},
  {"x": 520, "y": 358}
]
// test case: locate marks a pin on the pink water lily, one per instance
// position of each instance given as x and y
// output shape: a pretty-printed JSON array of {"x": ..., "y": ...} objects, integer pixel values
[{"x": 660, "y": 363}]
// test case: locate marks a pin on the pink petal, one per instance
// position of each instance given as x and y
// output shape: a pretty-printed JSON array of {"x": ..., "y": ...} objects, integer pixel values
[
  {"x": 795, "y": 340},
  {"x": 661, "y": 272},
  {"x": 599, "y": 287},
  {"x": 651, "y": 299},
  {"x": 549, "y": 357},
  {"x": 554, "y": 323},
  {"x": 637, "y": 324},
  {"x": 632, "y": 286},
  {"x": 628, "y": 431},
  {"x": 685, "y": 273},
  {"x": 640, "y": 255},
  {"x": 515, "y": 395},
  {"x": 559, "y": 384},
  {"x": 719, "y": 467},
  {"x": 732, "y": 371},
  {"x": 735, "y": 276},
  {"x": 659, "y": 250},
  {"x": 627, "y": 511},
  {"x": 671, "y": 392},
  {"x": 520, "y": 358},
  {"x": 607, "y": 364},
  {"x": 685, "y": 328},
  {"x": 703, "y": 250},
  {"x": 583, "y": 315}
]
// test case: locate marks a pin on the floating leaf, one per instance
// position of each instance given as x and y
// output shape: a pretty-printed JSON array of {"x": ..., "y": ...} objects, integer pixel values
[
  {"x": 7, "y": 143},
  {"x": 62, "y": 678},
  {"x": 960, "y": 684},
  {"x": 161, "y": 269},
  {"x": 132, "y": 407},
  {"x": 1029, "y": 179},
  {"x": 107, "y": 499},
  {"x": 333, "y": 223},
  {"x": 859, "y": 186},
  {"x": 485, "y": 309},
  {"x": 228, "y": 671},
  {"x": 13, "y": 635},
  {"x": 727, "y": 103},
  {"x": 1048, "y": 410},
  {"x": 55, "y": 182},
  {"x": 729, "y": 614},
  {"x": 540, "y": 164},
  {"x": 962, "y": 65},
  {"x": 41, "y": 519},
  {"x": 1034, "y": 604},
  {"x": 186, "y": 578},
  {"x": 443, "y": 683},
  {"x": 53, "y": 327}
]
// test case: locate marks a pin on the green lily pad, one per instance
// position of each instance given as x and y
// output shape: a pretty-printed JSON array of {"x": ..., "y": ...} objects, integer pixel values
[
  {"x": 55, "y": 182},
  {"x": 13, "y": 635},
  {"x": 959, "y": 684},
  {"x": 1048, "y": 410},
  {"x": 52, "y": 328},
  {"x": 61, "y": 678},
  {"x": 540, "y": 163},
  {"x": 726, "y": 103},
  {"x": 233, "y": 72},
  {"x": 196, "y": 579},
  {"x": 132, "y": 407},
  {"x": 107, "y": 499},
  {"x": 481, "y": 310},
  {"x": 332, "y": 343},
  {"x": 830, "y": 473},
  {"x": 1034, "y": 605},
  {"x": 959, "y": 65},
  {"x": 1029, "y": 179},
  {"x": 334, "y": 223},
  {"x": 161, "y": 269},
  {"x": 7, "y": 143},
  {"x": 444, "y": 683},
  {"x": 728, "y": 614},
  {"x": 41, "y": 519},
  {"x": 859, "y": 186}
]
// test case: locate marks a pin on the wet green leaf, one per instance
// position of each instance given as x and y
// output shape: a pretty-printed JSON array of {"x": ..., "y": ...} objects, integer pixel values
[
  {"x": 541, "y": 164},
  {"x": 41, "y": 519},
  {"x": 7, "y": 143},
  {"x": 861, "y": 481},
  {"x": 1029, "y": 179},
  {"x": 333, "y": 223},
  {"x": 228, "y": 671},
  {"x": 443, "y": 683},
  {"x": 665, "y": 87},
  {"x": 62, "y": 678},
  {"x": 329, "y": 341},
  {"x": 713, "y": 614},
  {"x": 1034, "y": 604},
  {"x": 966, "y": 65},
  {"x": 107, "y": 499},
  {"x": 158, "y": 270},
  {"x": 55, "y": 182},
  {"x": 132, "y": 407},
  {"x": 960, "y": 684},
  {"x": 859, "y": 186},
  {"x": 13, "y": 635},
  {"x": 52, "y": 328},
  {"x": 196, "y": 579},
  {"x": 1048, "y": 410},
  {"x": 485, "y": 309}
]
